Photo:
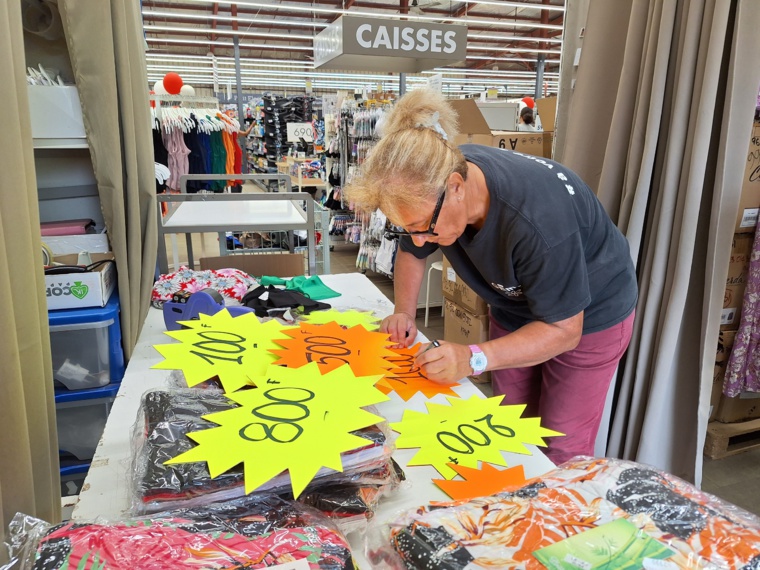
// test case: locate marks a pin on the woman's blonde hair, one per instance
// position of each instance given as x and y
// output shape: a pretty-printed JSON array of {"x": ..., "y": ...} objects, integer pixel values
[{"x": 413, "y": 160}]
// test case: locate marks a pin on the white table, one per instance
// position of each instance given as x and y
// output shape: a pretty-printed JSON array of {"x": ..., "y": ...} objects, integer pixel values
[
  {"x": 106, "y": 489},
  {"x": 208, "y": 212}
]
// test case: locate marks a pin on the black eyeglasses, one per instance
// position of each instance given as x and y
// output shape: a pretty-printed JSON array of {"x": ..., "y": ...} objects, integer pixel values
[{"x": 433, "y": 221}]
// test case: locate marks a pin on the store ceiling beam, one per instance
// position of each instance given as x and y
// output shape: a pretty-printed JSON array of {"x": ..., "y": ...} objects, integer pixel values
[
  {"x": 213, "y": 25},
  {"x": 279, "y": 9},
  {"x": 537, "y": 33}
]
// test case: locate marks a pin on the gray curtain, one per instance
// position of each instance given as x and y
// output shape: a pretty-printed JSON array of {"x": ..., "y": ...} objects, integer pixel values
[
  {"x": 29, "y": 481},
  {"x": 663, "y": 104},
  {"x": 107, "y": 53}
]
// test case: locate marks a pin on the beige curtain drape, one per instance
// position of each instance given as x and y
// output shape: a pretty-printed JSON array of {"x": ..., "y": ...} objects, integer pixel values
[
  {"x": 671, "y": 87},
  {"x": 29, "y": 481},
  {"x": 107, "y": 52}
]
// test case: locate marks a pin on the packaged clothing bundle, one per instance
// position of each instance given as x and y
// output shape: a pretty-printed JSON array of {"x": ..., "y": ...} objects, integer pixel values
[
  {"x": 587, "y": 513},
  {"x": 259, "y": 531},
  {"x": 232, "y": 284},
  {"x": 160, "y": 434}
]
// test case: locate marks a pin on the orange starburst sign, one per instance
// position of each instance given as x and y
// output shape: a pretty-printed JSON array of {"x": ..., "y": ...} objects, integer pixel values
[
  {"x": 406, "y": 378},
  {"x": 488, "y": 480},
  {"x": 331, "y": 346}
]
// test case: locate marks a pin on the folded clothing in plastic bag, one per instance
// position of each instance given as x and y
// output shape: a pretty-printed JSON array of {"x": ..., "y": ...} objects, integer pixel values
[
  {"x": 167, "y": 416},
  {"x": 505, "y": 531},
  {"x": 254, "y": 532}
]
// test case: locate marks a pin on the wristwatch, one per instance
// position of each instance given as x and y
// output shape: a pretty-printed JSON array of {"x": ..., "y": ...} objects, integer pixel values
[{"x": 478, "y": 360}]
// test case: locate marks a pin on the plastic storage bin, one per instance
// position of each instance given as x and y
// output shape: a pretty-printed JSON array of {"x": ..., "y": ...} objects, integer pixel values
[
  {"x": 86, "y": 346},
  {"x": 81, "y": 421}
]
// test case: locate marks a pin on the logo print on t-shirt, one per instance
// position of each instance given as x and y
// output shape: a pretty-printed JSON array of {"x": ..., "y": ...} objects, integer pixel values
[{"x": 515, "y": 291}]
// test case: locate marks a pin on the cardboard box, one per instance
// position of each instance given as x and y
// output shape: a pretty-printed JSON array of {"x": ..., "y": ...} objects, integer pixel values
[
  {"x": 79, "y": 290},
  {"x": 462, "y": 327},
  {"x": 736, "y": 281},
  {"x": 457, "y": 291},
  {"x": 548, "y": 144},
  {"x": 749, "y": 203},
  {"x": 474, "y": 129},
  {"x": 258, "y": 265},
  {"x": 725, "y": 343},
  {"x": 525, "y": 142},
  {"x": 547, "y": 110}
]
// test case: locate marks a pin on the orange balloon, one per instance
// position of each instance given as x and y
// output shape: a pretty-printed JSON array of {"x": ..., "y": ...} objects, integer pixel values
[
  {"x": 173, "y": 83},
  {"x": 529, "y": 102}
]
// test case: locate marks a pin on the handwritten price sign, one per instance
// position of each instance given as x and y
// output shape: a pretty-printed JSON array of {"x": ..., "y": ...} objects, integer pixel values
[
  {"x": 406, "y": 378},
  {"x": 331, "y": 346},
  {"x": 236, "y": 349},
  {"x": 299, "y": 420},
  {"x": 468, "y": 431}
]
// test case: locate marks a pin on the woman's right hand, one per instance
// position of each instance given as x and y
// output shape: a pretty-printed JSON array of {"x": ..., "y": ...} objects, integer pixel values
[{"x": 401, "y": 327}]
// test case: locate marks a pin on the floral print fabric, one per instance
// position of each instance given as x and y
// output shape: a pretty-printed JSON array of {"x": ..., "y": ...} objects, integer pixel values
[
  {"x": 230, "y": 283},
  {"x": 503, "y": 531},
  {"x": 743, "y": 368}
]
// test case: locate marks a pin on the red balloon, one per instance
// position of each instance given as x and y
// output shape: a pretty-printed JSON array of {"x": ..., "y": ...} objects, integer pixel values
[
  {"x": 172, "y": 83},
  {"x": 529, "y": 102}
]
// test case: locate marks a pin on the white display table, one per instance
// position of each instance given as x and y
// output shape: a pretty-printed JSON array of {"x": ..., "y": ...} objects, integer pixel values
[{"x": 106, "y": 489}]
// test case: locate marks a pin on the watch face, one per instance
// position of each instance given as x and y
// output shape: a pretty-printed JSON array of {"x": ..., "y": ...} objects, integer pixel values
[{"x": 478, "y": 361}]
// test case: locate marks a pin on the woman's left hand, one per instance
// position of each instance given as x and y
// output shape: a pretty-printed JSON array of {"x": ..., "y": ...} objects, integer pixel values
[{"x": 445, "y": 364}]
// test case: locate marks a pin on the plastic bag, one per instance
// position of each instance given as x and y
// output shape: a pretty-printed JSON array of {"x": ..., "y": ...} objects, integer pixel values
[
  {"x": 160, "y": 433},
  {"x": 253, "y": 532},
  {"x": 674, "y": 523}
]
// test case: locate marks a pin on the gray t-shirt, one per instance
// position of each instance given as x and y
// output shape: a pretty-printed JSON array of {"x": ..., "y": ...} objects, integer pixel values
[{"x": 547, "y": 250}]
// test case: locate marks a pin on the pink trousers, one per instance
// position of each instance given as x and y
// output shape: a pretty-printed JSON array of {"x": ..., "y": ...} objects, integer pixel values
[{"x": 568, "y": 392}]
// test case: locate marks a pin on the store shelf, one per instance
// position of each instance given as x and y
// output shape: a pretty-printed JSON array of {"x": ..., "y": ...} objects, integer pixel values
[
  {"x": 300, "y": 182},
  {"x": 64, "y": 143}
]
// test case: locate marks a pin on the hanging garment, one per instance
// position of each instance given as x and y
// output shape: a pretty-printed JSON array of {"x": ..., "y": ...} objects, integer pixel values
[
  {"x": 195, "y": 158},
  {"x": 178, "y": 153},
  {"x": 743, "y": 369},
  {"x": 219, "y": 160},
  {"x": 160, "y": 154}
]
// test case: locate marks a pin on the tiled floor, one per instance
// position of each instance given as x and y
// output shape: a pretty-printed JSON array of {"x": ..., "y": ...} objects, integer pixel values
[{"x": 735, "y": 479}]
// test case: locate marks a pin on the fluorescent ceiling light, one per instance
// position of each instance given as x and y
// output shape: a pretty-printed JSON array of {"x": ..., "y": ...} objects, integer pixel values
[
  {"x": 224, "y": 60},
  {"x": 507, "y": 4},
  {"x": 513, "y": 49},
  {"x": 315, "y": 10},
  {"x": 517, "y": 59},
  {"x": 207, "y": 17},
  {"x": 463, "y": 71},
  {"x": 227, "y": 44},
  {"x": 225, "y": 32},
  {"x": 485, "y": 37}
]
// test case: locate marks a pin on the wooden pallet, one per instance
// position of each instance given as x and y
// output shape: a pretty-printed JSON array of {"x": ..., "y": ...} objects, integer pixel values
[{"x": 724, "y": 440}]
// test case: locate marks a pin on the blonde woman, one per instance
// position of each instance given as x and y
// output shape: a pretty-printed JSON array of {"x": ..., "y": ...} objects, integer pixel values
[{"x": 531, "y": 239}]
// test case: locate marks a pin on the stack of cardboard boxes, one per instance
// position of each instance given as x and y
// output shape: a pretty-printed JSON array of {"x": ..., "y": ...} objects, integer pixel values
[
  {"x": 744, "y": 407},
  {"x": 465, "y": 316},
  {"x": 474, "y": 129}
]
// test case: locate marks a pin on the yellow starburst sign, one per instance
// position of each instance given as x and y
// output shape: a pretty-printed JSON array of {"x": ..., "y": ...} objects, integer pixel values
[
  {"x": 236, "y": 349},
  {"x": 468, "y": 431},
  {"x": 348, "y": 319},
  {"x": 331, "y": 346},
  {"x": 299, "y": 420}
]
